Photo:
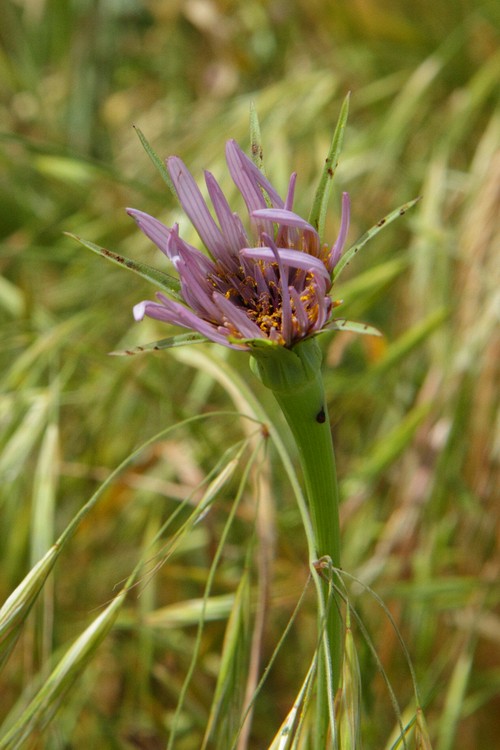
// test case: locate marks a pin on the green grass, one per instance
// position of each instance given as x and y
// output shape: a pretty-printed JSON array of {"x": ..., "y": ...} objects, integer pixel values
[{"x": 201, "y": 524}]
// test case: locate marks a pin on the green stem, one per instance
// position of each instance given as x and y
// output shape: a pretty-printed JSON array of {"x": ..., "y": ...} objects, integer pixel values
[{"x": 295, "y": 378}]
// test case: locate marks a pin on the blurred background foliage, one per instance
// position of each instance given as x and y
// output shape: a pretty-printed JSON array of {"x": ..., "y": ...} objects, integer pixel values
[{"x": 415, "y": 415}]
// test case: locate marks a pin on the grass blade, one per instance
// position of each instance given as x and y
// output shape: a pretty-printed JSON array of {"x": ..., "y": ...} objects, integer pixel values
[
  {"x": 48, "y": 699},
  {"x": 17, "y": 607}
]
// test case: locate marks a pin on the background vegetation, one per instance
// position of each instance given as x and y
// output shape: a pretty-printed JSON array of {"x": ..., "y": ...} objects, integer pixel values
[{"x": 415, "y": 415}]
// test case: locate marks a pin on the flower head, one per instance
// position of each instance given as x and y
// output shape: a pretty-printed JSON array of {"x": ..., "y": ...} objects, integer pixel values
[{"x": 271, "y": 283}]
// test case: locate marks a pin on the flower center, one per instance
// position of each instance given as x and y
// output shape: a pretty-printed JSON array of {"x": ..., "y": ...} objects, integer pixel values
[{"x": 259, "y": 295}]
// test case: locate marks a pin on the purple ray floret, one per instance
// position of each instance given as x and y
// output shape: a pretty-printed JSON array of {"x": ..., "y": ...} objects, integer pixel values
[{"x": 270, "y": 282}]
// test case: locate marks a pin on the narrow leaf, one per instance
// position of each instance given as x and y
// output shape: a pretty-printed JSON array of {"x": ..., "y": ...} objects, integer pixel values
[
  {"x": 156, "y": 346},
  {"x": 169, "y": 283},
  {"x": 349, "y": 254},
  {"x": 341, "y": 324},
  {"x": 258, "y": 343},
  {"x": 320, "y": 202},
  {"x": 159, "y": 163},
  {"x": 257, "y": 151}
]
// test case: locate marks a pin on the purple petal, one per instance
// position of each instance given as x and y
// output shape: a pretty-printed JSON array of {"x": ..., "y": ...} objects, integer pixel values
[
  {"x": 250, "y": 182},
  {"x": 290, "y": 224},
  {"x": 139, "y": 310},
  {"x": 178, "y": 250},
  {"x": 300, "y": 312},
  {"x": 169, "y": 311},
  {"x": 196, "y": 290},
  {"x": 291, "y": 192},
  {"x": 152, "y": 228},
  {"x": 284, "y": 217},
  {"x": 259, "y": 279},
  {"x": 239, "y": 164},
  {"x": 243, "y": 178},
  {"x": 230, "y": 224},
  {"x": 324, "y": 303},
  {"x": 336, "y": 250},
  {"x": 293, "y": 258},
  {"x": 237, "y": 318},
  {"x": 195, "y": 207}
]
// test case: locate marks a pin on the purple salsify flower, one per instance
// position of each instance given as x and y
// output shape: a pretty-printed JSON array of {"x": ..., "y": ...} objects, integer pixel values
[{"x": 274, "y": 286}]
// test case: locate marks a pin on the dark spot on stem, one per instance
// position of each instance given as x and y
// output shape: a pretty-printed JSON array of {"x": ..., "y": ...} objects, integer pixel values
[{"x": 321, "y": 416}]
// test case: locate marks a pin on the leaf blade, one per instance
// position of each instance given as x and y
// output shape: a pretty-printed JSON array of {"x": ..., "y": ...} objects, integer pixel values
[
  {"x": 168, "y": 283},
  {"x": 158, "y": 163},
  {"x": 372, "y": 232},
  {"x": 180, "y": 340},
  {"x": 320, "y": 203},
  {"x": 342, "y": 324}
]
